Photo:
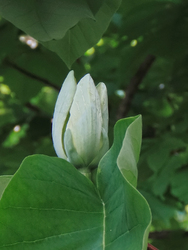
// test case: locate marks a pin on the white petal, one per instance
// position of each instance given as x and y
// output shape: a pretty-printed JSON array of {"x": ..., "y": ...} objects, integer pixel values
[
  {"x": 101, "y": 88},
  {"x": 61, "y": 112},
  {"x": 70, "y": 149},
  {"x": 85, "y": 120},
  {"x": 103, "y": 149}
]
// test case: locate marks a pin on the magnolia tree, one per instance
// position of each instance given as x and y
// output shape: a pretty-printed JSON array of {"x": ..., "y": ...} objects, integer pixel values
[{"x": 86, "y": 198}]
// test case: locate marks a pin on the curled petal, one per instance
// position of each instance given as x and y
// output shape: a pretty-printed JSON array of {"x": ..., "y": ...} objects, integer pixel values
[
  {"x": 102, "y": 150},
  {"x": 71, "y": 151},
  {"x": 61, "y": 113},
  {"x": 85, "y": 120},
  {"x": 101, "y": 88}
]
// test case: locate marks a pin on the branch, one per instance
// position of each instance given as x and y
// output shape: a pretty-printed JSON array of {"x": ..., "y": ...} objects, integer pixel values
[
  {"x": 31, "y": 75},
  {"x": 133, "y": 86},
  {"x": 150, "y": 247},
  {"x": 32, "y": 107}
]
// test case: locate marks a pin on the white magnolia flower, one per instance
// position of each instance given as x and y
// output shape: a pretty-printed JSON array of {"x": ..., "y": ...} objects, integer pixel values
[{"x": 80, "y": 121}]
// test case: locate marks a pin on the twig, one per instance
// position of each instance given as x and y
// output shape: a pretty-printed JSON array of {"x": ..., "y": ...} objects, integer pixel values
[
  {"x": 32, "y": 107},
  {"x": 31, "y": 75},
  {"x": 133, "y": 86},
  {"x": 150, "y": 247}
]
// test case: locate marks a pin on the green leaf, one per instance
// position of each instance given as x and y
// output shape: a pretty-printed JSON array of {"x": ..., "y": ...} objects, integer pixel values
[
  {"x": 47, "y": 20},
  {"x": 127, "y": 214},
  {"x": 49, "y": 205},
  {"x": 84, "y": 35},
  {"x": 4, "y": 181},
  {"x": 179, "y": 185},
  {"x": 162, "y": 181},
  {"x": 130, "y": 151},
  {"x": 73, "y": 27},
  {"x": 162, "y": 212},
  {"x": 161, "y": 149}
]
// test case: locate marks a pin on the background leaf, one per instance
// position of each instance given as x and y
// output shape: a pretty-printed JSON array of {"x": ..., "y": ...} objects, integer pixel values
[
  {"x": 83, "y": 35},
  {"x": 179, "y": 185},
  {"x": 47, "y": 20},
  {"x": 73, "y": 26}
]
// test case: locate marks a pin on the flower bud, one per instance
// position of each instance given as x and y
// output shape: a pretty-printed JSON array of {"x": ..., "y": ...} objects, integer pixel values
[{"x": 80, "y": 121}]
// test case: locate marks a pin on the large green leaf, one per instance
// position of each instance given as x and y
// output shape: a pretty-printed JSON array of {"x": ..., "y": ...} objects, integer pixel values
[
  {"x": 48, "y": 204},
  {"x": 47, "y": 20},
  {"x": 127, "y": 214}
]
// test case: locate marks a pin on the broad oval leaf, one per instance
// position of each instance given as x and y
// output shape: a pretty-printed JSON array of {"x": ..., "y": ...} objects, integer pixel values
[
  {"x": 127, "y": 214},
  {"x": 48, "y": 204}
]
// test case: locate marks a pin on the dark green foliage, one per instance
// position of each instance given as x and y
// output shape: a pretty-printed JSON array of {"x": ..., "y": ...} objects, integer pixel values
[{"x": 138, "y": 29}]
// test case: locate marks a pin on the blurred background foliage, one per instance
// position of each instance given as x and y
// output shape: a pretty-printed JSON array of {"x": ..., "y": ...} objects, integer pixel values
[{"x": 142, "y": 32}]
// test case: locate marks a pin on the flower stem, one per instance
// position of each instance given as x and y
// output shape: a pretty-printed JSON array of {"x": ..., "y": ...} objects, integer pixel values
[{"x": 86, "y": 172}]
